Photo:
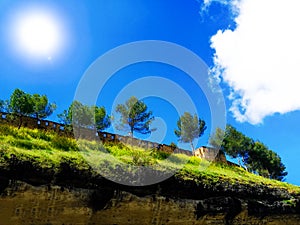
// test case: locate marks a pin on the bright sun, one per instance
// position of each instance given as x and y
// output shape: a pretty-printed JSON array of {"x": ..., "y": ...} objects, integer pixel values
[{"x": 38, "y": 34}]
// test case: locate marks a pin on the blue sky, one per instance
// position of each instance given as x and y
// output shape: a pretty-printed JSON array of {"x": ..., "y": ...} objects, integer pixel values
[{"x": 246, "y": 60}]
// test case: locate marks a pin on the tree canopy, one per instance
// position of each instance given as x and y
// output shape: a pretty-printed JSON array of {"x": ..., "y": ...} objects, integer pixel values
[
  {"x": 102, "y": 120},
  {"x": 41, "y": 106},
  {"x": 135, "y": 116},
  {"x": 1, "y": 105},
  {"x": 80, "y": 115},
  {"x": 5, "y": 106},
  {"x": 21, "y": 104},
  {"x": 254, "y": 155},
  {"x": 237, "y": 144},
  {"x": 216, "y": 139},
  {"x": 189, "y": 128},
  {"x": 266, "y": 162}
]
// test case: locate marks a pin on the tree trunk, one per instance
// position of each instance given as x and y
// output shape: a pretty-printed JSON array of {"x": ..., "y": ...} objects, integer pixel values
[
  {"x": 193, "y": 148},
  {"x": 131, "y": 131},
  {"x": 243, "y": 159},
  {"x": 131, "y": 136},
  {"x": 21, "y": 121},
  {"x": 239, "y": 161}
]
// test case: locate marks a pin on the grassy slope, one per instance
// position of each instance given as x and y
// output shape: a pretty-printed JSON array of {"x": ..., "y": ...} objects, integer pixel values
[{"x": 48, "y": 150}]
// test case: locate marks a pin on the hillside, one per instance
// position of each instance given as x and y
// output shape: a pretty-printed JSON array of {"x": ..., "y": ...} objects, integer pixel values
[{"x": 33, "y": 161}]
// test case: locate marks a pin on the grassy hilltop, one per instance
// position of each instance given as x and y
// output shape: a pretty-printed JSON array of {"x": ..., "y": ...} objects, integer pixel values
[{"x": 47, "y": 151}]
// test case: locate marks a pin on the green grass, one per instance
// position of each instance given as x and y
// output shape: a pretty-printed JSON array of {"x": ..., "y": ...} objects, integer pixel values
[{"x": 50, "y": 150}]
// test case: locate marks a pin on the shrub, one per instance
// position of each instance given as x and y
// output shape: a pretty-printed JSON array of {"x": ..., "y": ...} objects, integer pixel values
[
  {"x": 195, "y": 161},
  {"x": 74, "y": 161},
  {"x": 7, "y": 130},
  {"x": 64, "y": 143},
  {"x": 173, "y": 145},
  {"x": 39, "y": 134},
  {"x": 90, "y": 145},
  {"x": 160, "y": 155},
  {"x": 140, "y": 158},
  {"x": 117, "y": 149}
]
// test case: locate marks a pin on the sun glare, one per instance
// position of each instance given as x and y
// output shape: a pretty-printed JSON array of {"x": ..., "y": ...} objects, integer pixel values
[{"x": 37, "y": 34}]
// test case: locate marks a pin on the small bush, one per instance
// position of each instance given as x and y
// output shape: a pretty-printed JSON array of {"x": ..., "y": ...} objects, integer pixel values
[
  {"x": 140, "y": 158},
  {"x": 39, "y": 134},
  {"x": 7, "y": 130},
  {"x": 173, "y": 145},
  {"x": 195, "y": 161},
  {"x": 91, "y": 145},
  {"x": 74, "y": 161},
  {"x": 23, "y": 132},
  {"x": 117, "y": 150},
  {"x": 64, "y": 143},
  {"x": 160, "y": 155}
]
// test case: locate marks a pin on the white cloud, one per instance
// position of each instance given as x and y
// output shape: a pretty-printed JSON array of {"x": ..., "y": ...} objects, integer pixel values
[
  {"x": 233, "y": 4},
  {"x": 260, "y": 59}
]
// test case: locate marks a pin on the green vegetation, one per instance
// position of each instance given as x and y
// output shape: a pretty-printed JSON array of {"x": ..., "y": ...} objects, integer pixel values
[
  {"x": 253, "y": 155},
  {"x": 80, "y": 115},
  {"x": 48, "y": 150},
  {"x": 189, "y": 128},
  {"x": 41, "y": 107},
  {"x": 23, "y": 104},
  {"x": 1, "y": 105},
  {"x": 291, "y": 202},
  {"x": 135, "y": 116}
]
